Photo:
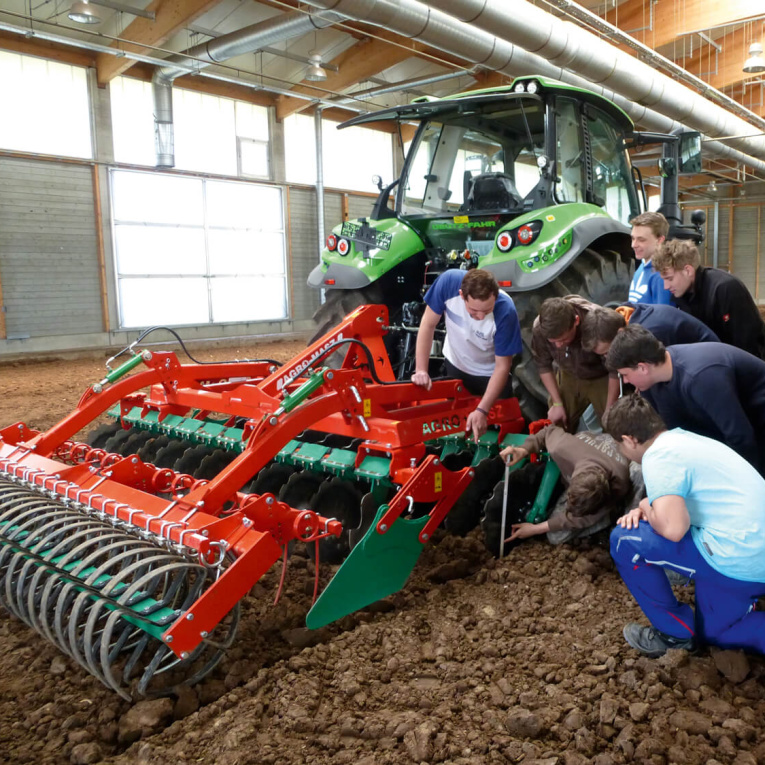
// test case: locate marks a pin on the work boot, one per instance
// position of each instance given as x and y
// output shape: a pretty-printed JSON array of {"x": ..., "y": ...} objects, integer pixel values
[{"x": 652, "y": 643}]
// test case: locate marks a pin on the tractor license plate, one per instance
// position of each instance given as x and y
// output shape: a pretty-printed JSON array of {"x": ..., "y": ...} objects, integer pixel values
[{"x": 364, "y": 234}]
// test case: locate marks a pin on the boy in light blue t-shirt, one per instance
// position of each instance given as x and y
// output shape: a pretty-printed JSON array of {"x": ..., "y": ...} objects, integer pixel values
[{"x": 704, "y": 517}]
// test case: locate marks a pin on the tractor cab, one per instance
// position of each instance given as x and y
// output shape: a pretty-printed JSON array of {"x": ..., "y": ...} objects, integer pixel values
[{"x": 479, "y": 161}]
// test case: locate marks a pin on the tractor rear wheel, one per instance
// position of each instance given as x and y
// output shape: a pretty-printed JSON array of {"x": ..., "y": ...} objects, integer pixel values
[
  {"x": 339, "y": 303},
  {"x": 601, "y": 277}
]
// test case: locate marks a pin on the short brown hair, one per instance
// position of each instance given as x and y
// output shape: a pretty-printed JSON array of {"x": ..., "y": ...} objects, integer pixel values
[
  {"x": 556, "y": 317},
  {"x": 676, "y": 254},
  {"x": 479, "y": 284},
  {"x": 633, "y": 416},
  {"x": 653, "y": 220},
  {"x": 600, "y": 326},
  {"x": 588, "y": 491},
  {"x": 634, "y": 345}
]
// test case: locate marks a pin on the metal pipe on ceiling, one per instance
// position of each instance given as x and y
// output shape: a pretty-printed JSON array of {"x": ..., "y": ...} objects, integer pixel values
[
  {"x": 448, "y": 33},
  {"x": 394, "y": 87},
  {"x": 156, "y": 61},
  {"x": 583, "y": 14},
  {"x": 265, "y": 49},
  {"x": 578, "y": 50},
  {"x": 214, "y": 51}
]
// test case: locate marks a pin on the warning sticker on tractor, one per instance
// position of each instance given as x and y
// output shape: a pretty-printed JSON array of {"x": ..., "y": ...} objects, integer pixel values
[
  {"x": 367, "y": 407},
  {"x": 551, "y": 218},
  {"x": 461, "y": 219},
  {"x": 437, "y": 481}
]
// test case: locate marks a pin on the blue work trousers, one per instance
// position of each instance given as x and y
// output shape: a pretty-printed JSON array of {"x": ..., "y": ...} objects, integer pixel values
[{"x": 725, "y": 614}]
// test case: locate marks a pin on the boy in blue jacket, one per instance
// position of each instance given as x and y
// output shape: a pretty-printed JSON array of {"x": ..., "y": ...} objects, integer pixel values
[{"x": 649, "y": 230}]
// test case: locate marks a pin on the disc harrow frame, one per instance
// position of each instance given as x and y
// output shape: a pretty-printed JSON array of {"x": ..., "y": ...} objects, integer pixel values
[{"x": 136, "y": 571}]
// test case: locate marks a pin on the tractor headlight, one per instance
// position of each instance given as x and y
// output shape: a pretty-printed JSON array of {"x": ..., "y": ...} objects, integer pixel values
[
  {"x": 505, "y": 241},
  {"x": 532, "y": 86},
  {"x": 522, "y": 236},
  {"x": 331, "y": 242},
  {"x": 343, "y": 246},
  {"x": 525, "y": 234},
  {"x": 519, "y": 87}
]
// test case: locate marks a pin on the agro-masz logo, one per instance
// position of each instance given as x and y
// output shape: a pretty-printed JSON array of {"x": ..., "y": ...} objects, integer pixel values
[{"x": 444, "y": 425}]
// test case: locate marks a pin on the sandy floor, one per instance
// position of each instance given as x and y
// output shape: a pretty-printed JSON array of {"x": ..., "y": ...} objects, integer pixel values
[{"x": 475, "y": 661}]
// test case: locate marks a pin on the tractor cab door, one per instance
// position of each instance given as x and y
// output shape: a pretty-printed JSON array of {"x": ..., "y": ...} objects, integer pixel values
[{"x": 591, "y": 163}]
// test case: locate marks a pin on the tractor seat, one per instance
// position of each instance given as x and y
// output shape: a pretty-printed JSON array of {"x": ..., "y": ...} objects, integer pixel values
[{"x": 492, "y": 191}]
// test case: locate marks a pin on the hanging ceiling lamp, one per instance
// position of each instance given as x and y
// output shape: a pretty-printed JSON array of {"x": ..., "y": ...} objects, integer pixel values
[
  {"x": 755, "y": 63},
  {"x": 315, "y": 71},
  {"x": 84, "y": 13}
]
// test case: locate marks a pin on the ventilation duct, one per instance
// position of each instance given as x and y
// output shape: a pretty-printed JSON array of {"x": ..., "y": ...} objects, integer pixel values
[
  {"x": 568, "y": 45},
  {"x": 215, "y": 51},
  {"x": 448, "y": 33}
]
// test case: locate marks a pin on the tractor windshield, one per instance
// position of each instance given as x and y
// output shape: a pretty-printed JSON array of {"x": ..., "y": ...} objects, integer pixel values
[{"x": 480, "y": 160}]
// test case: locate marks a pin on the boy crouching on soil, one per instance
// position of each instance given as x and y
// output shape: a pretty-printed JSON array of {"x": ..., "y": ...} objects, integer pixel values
[
  {"x": 704, "y": 517},
  {"x": 596, "y": 476}
]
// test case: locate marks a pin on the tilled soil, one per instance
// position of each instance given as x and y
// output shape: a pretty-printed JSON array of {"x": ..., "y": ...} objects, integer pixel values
[{"x": 475, "y": 661}]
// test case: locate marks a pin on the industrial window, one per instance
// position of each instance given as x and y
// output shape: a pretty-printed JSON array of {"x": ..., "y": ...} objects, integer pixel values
[
  {"x": 351, "y": 156},
  {"x": 45, "y": 107},
  {"x": 197, "y": 251},
  {"x": 209, "y": 131}
]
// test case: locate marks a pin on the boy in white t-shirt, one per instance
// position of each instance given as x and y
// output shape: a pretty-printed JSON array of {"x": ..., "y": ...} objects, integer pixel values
[
  {"x": 482, "y": 336},
  {"x": 704, "y": 517}
]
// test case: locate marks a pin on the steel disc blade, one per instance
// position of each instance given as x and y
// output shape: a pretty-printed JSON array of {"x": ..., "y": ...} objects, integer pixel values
[
  {"x": 522, "y": 490},
  {"x": 465, "y": 513},
  {"x": 340, "y": 500}
]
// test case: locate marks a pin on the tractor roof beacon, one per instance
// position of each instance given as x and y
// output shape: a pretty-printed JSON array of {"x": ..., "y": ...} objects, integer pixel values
[{"x": 532, "y": 182}]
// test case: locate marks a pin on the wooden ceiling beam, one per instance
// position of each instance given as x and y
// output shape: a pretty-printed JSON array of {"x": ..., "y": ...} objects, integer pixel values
[
  {"x": 171, "y": 17},
  {"x": 489, "y": 80},
  {"x": 666, "y": 20},
  {"x": 365, "y": 59}
]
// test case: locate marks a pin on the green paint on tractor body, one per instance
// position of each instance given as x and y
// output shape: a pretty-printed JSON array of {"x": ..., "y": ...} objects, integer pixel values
[{"x": 482, "y": 165}]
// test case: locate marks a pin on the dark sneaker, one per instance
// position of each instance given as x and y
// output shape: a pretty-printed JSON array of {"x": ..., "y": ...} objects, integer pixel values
[{"x": 652, "y": 643}]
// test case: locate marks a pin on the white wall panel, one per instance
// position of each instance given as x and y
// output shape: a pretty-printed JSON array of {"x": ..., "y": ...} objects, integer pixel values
[{"x": 48, "y": 260}]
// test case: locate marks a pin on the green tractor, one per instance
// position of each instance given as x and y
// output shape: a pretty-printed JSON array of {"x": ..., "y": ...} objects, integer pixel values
[{"x": 532, "y": 182}]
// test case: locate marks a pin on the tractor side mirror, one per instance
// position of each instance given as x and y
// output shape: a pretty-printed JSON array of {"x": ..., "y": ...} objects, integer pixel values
[{"x": 689, "y": 154}]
